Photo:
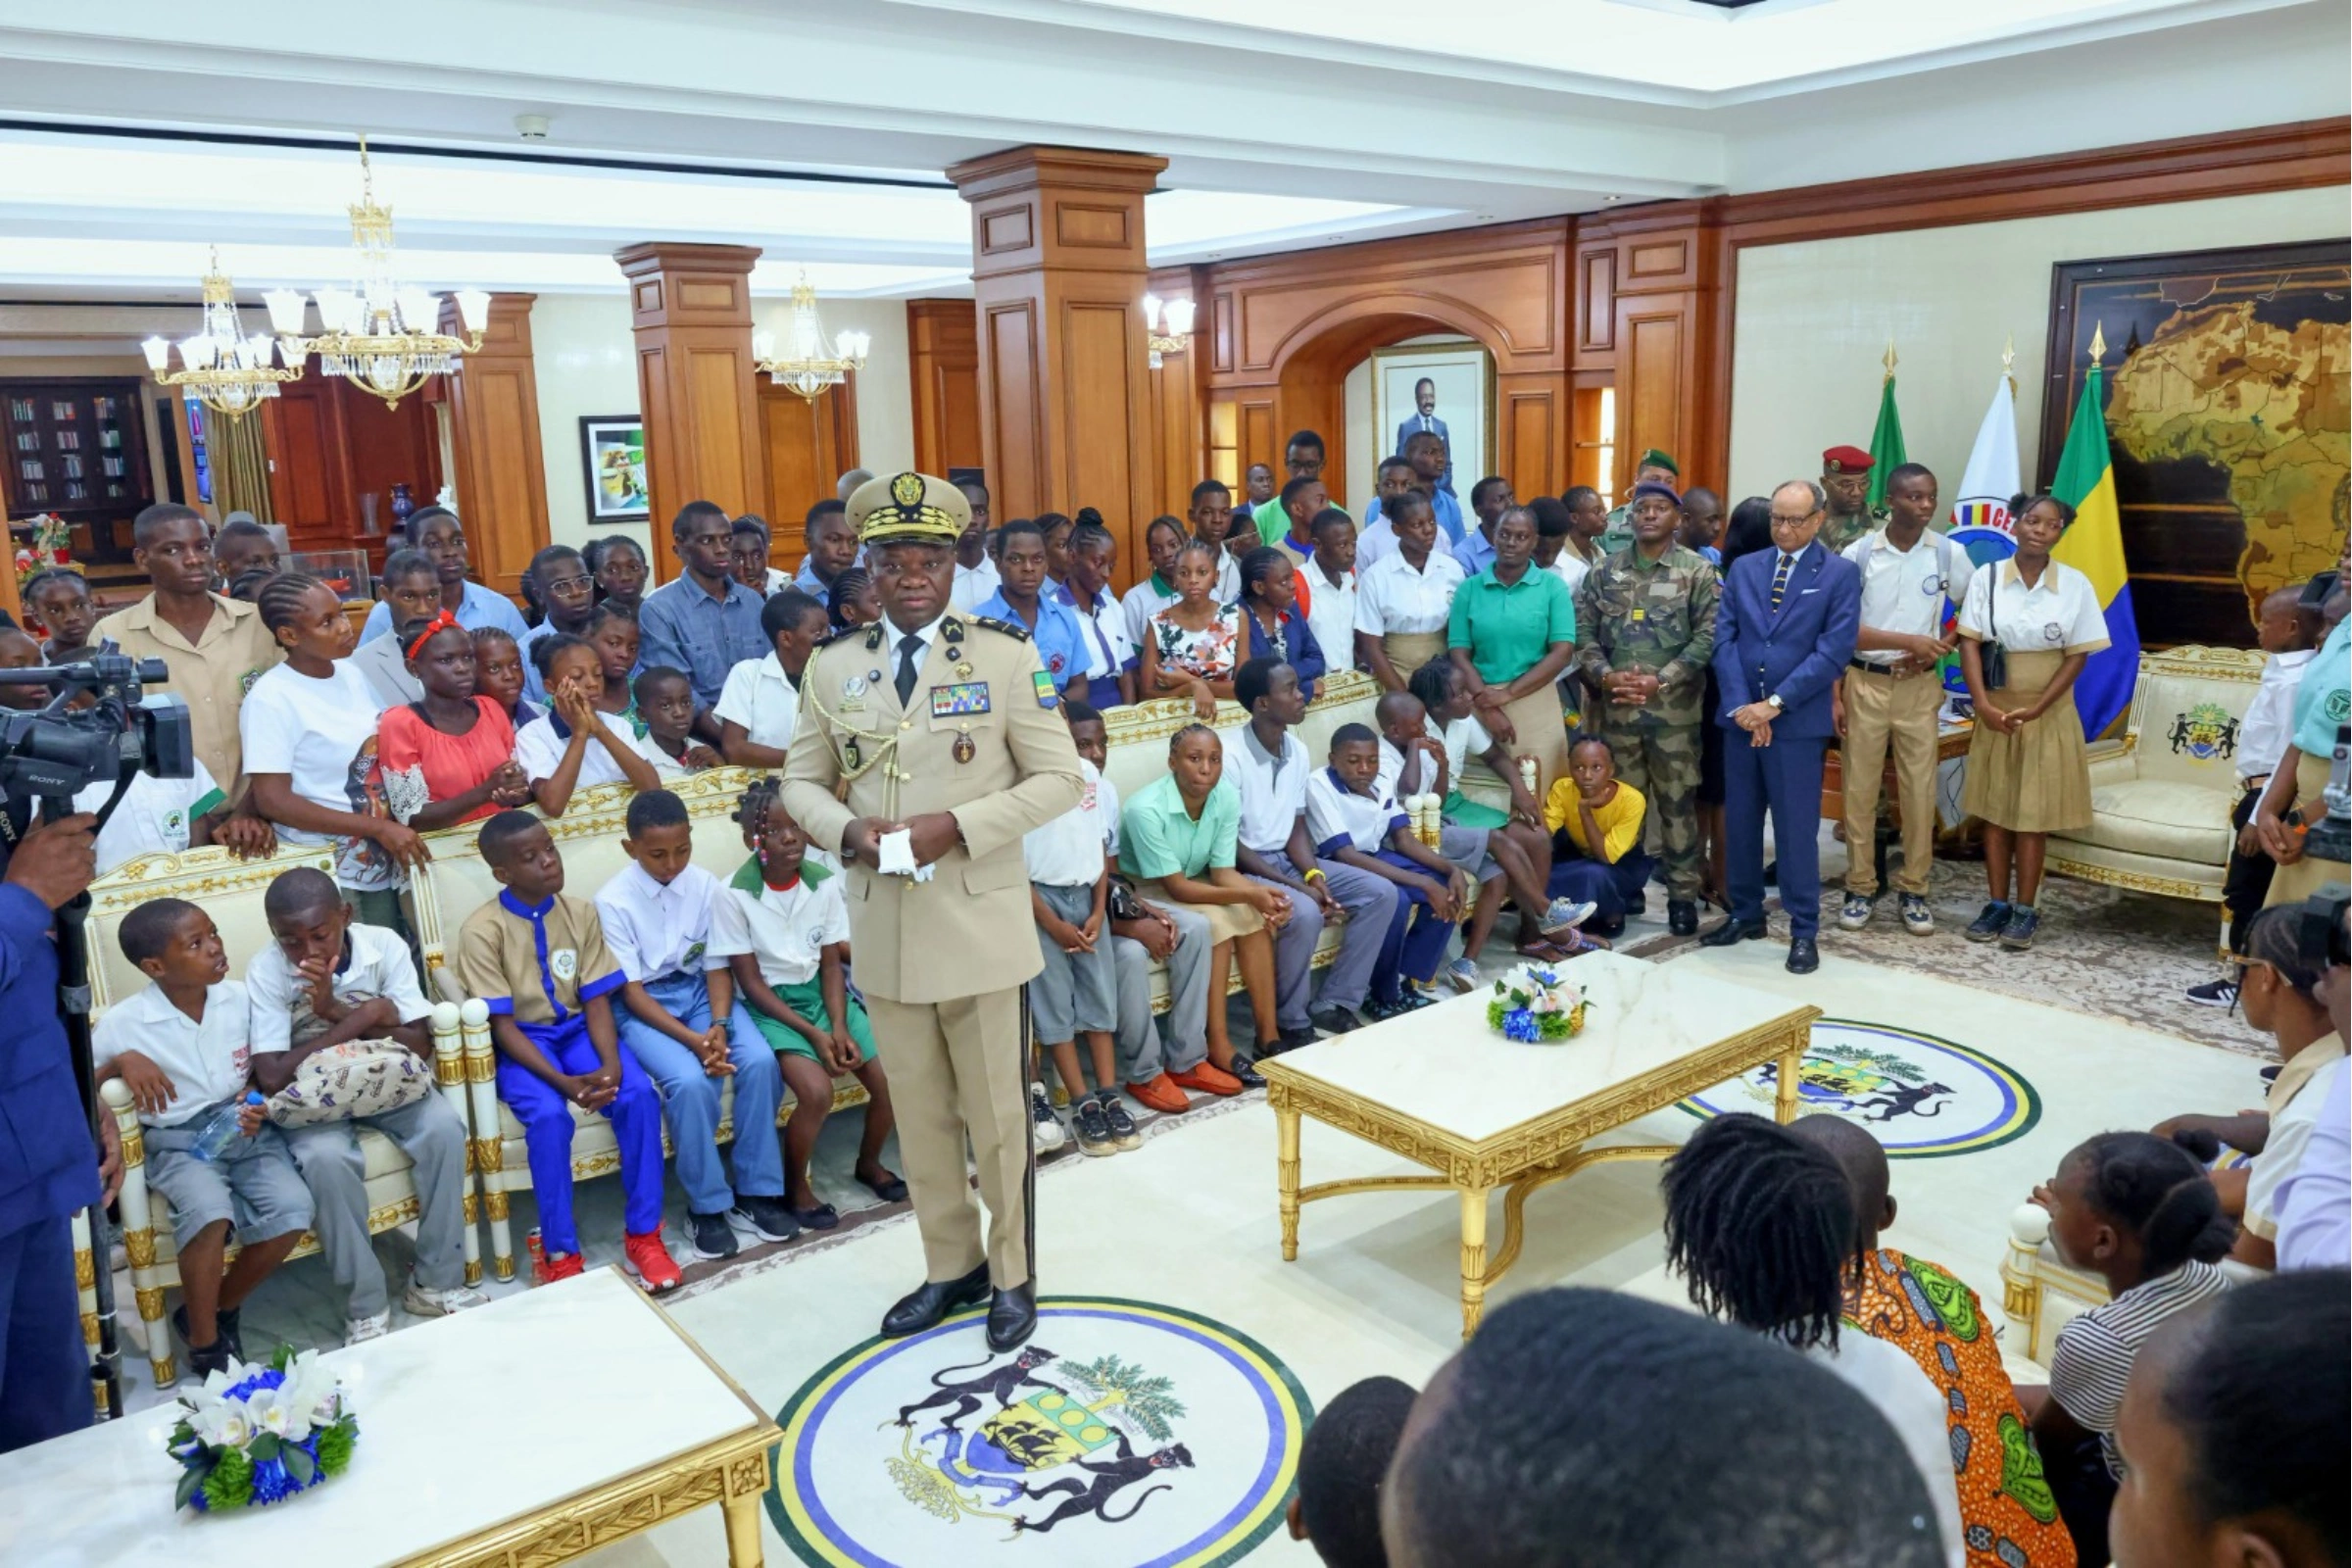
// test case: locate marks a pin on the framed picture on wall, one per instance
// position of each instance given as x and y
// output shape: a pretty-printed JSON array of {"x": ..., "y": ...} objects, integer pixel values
[
  {"x": 1447, "y": 390},
  {"x": 612, "y": 448}
]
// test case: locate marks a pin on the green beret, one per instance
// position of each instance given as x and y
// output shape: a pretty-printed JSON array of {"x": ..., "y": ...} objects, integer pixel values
[{"x": 1654, "y": 459}]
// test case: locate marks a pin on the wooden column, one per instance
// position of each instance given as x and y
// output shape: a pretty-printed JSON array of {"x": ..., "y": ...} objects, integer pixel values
[
  {"x": 494, "y": 439},
  {"x": 1650, "y": 285},
  {"x": 1058, "y": 278},
  {"x": 693, "y": 308},
  {"x": 943, "y": 351}
]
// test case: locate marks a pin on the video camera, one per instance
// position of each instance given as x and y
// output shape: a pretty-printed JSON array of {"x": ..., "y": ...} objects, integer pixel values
[{"x": 98, "y": 728}]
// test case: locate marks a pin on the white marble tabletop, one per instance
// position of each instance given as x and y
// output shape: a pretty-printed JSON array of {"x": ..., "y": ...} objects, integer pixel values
[
  {"x": 1444, "y": 1068},
  {"x": 464, "y": 1422}
]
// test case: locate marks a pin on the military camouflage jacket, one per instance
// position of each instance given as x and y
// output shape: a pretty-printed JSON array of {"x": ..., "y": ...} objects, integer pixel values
[
  {"x": 1837, "y": 532},
  {"x": 1654, "y": 617}
]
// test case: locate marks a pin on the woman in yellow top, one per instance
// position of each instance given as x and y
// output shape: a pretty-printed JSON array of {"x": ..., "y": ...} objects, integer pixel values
[{"x": 1596, "y": 823}]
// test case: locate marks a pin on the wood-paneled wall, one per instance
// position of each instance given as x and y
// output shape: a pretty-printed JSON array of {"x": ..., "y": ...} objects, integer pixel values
[
  {"x": 806, "y": 446},
  {"x": 942, "y": 353},
  {"x": 494, "y": 444}
]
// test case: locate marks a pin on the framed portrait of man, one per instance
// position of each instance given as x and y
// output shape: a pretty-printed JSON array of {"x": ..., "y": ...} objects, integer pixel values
[
  {"x": 1446, "y": 390},
  {"x": 613, "y": 452}
]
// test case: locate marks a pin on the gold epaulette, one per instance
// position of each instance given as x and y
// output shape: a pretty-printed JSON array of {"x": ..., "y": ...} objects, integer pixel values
[{"x": 1005, "y": 626}]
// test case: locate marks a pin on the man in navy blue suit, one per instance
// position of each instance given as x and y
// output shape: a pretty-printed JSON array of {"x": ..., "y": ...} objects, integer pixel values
[
  {"x": 1425, "y": 417},
  {"x": 1784, "y": 631}
]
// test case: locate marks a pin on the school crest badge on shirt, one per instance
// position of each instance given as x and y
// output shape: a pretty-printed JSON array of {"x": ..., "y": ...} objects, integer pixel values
[{"x": 563, "y": 963}]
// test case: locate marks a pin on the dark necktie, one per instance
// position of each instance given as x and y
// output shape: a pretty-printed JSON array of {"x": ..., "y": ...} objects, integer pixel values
[
  {"x": 1780, "y": 585},
  {"x": 910, "y": 653}
]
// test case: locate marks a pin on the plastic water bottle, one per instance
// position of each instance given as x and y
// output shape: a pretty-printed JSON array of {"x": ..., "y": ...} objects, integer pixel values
[{"x": 220, "y": 1129}]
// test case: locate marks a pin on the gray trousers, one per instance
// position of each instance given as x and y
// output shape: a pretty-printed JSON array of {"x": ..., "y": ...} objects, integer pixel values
[
  {"x": 333, "y": 1166},
  {"x": 1143, "y": 1055},
  {"x": 1370, "y": 902}
]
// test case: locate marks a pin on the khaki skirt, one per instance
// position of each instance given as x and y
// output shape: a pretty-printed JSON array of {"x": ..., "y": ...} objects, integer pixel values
[
  {"x": 1225, "y": 920},
  {"x": 2038, "y": 781},
  {"x": 1541, "y": 724},
  {"x": 1409, "y": 651},
  {"x": 2293, "y": 884}
]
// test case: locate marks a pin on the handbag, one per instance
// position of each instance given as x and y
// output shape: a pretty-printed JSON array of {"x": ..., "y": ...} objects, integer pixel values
[
  {"x": 357, "y": 1078},
  {"x": 1124, "y": 905},
  {"x": 1994, "y": 657}
]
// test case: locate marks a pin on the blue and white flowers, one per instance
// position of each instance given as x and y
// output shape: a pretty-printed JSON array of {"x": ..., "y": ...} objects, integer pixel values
[
  {"x": 253, "y": 1436},
  {"x": 1536, "y": 1001}
]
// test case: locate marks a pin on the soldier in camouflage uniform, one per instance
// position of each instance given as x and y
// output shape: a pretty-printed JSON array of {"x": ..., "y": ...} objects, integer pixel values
[
  {"x": 1655, "y": 467},
  {"x": 1845, "y": 485},
  {"x": 1644, "y": 633}
]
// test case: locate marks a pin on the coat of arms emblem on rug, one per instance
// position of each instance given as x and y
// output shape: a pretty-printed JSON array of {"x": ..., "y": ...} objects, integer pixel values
[
  {"x": 1918, "y": 1095},
  {"x": 1123, "y": 1432}
]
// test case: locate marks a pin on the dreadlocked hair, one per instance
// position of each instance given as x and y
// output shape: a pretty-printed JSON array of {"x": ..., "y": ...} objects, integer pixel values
[
  {"x": 2159, "y": 1190},
  {"x": 1433, "y": 683},
  {"x": 1761, "y": 1227},
  {"x": 280, "y": 599}
]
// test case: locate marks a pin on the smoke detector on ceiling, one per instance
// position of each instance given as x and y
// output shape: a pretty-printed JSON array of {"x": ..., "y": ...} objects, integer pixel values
[{"x": 532, "y": 127}]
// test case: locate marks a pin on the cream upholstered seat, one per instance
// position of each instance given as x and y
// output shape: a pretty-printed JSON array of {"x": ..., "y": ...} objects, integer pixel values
[
  {"x": 2161, "y": 799},
  {"x": 230, "y": 890},
  {"x": 2040, "y": 1295}
]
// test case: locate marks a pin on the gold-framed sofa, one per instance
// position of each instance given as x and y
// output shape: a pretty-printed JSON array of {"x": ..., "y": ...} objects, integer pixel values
[
  {"x": 230, "y": 890},
  {"x": 2161, "y": 798}
]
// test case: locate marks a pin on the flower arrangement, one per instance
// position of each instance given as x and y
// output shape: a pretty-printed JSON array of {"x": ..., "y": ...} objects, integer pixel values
[
  {"x": 1536, "y": 1002},
  {"x": 255, "y": 1436},
  {"x": 48, "y": 544}
]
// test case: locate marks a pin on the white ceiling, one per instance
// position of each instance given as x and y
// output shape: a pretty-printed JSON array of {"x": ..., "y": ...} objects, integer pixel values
[{"x": 1285, "y": 123}]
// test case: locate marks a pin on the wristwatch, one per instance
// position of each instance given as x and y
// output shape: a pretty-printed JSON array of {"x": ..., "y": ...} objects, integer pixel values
[{"x": 1774, "y": 701}]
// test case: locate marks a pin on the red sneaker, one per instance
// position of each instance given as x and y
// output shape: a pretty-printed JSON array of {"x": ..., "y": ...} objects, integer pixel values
[
  {"x": 1161, "y": 1095},
  {"x": 562, "y": 1268},
  {"x": 1209, "y": 1078},
  {"x": 646, "y": 1258}
]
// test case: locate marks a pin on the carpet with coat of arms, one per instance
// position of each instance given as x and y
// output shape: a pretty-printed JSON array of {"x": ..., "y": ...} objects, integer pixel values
[
  {"x": 1919, "y": 1096},
  {"x": 1123, "y": 1433}
]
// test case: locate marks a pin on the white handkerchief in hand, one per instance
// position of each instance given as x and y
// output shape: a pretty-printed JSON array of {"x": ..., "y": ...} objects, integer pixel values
[{"x": 894, "y": 856}]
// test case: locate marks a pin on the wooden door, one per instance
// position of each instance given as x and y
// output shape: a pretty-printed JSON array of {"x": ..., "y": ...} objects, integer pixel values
[{"x": 808, "y": 446}]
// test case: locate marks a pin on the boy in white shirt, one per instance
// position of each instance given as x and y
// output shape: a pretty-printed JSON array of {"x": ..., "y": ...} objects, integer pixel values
[
  {"x": 1328, "y": 576},
  {"x": 786, "y": 928},
  {"x": 1078, "y": 990},
  {"x": 326, "y": 981},
  {"x": 171, "y": 817},
  {"x": 181, "y": 1047},
  {"x": 679, "y": 1016},
  {"x": 1356, "y": 823}
]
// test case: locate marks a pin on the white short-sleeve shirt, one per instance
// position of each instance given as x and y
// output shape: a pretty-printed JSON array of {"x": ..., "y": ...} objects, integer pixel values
[
  {"x": 1463, "y": 739},
  {"x": 1067, "y": 852},
  {"x": 207, "y": 1062},
  {"x": 1106, "y": 794},
  {"x": 1904, "y": 590},
  {"x": 658, "y": 929},
  {"x": 153, "y": 817},
  {"x": 1331, "y": 613},
  {"x": 320, "y": 733},
  {"x": 539, "y": 749},
  {"x": 1392, "y": 597},
  {"x": 1886, "y": 1375},
  {"x": 1273, "y": 789},
  {"x": 376, "y": 964},
  {"x": 1570, "y": 569},
  {"x": 2291, "y": 1127},
  {"x": 2060, "y": 613},
  {"x": 786, "y": 930},
  {"x": 1102, "y": 630},
  {"x": 1339, "y": 818},
  {"x": 763, "y": 699},
  {"x": 1141, "y": 603},
  {"x": 974, "y": 586}
]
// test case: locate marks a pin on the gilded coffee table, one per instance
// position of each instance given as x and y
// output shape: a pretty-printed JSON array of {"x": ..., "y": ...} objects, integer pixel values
[{"x": 1443, "y": 1089}]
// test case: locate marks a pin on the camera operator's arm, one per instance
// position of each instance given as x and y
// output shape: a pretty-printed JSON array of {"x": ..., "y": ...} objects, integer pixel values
[
  {"x": 272, "y": 796},
  {"x": 52, "y": 864}
]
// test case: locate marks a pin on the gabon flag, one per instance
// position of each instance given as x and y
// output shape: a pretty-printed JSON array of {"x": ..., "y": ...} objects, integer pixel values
[{"x": 2093, "y": 544}]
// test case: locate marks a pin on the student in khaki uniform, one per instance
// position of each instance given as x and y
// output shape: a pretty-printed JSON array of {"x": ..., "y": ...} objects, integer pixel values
[
  {"x": 213, "y": 647},
  {"x": 945, "y": 729}
]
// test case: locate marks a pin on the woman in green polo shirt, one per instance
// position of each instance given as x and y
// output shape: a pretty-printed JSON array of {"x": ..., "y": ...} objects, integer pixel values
[
  {"x": 1177, "y": 837},
  {"x": 1511, "y": 632}
]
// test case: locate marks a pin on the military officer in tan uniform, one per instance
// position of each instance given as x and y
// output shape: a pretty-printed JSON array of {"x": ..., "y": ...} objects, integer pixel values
[{"x": 947, "y": 728}]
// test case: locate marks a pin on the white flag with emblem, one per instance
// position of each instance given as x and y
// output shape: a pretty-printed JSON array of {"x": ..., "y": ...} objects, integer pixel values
[{"x": 1981, "y": 517}]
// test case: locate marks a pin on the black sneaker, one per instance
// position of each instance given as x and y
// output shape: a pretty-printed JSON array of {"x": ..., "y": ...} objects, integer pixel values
[
  {"x": 713, "y": 1238},
  {"x": 1383, "y": 1011},
  {"x": 205, "y": 1360},
  {"x": 1094, "y": 1128},
  {"x": 762, "y": 1218},
  {"x": 1989, "y": 926},
  {"x": 2023, "y": 921},
  {"x": 1334, "y": 1020},
  {"x": 2215, "y": 994},
  {"x": 1292, "y": 1040},
  {"x": 1124, "y": 1131},
  {"x": 231, "y": 1323}
]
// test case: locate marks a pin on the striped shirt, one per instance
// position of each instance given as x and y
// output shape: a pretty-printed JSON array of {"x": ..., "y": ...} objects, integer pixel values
[{"x": 2093, "y": 1358}]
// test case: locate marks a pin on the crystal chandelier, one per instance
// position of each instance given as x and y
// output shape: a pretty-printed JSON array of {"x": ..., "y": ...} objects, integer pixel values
[
  {"x": 808, "y": 364},
  {"x": 220, "y": 367},
  {"x": 380, "y": 335},
  {"x": 1178, "y": 315}
]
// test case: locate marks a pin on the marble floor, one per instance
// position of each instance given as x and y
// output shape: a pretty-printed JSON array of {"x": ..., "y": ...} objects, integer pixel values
[{"x": 1188, "y": 1221}]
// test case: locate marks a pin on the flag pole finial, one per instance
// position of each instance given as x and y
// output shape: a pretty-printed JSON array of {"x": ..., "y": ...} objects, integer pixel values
[
  {"x": 2098, "y": 342},
  {"x": 1889, "y": 360},
  {"x": 2009, "y": 358}
]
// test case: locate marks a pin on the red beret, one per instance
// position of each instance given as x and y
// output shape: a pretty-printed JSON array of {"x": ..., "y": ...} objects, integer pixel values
[{"x": 1845, "y": 460}]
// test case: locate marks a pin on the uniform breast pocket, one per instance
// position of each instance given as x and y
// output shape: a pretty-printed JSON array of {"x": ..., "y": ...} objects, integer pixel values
[
  {"x": 1666, "y": 619},
  {"x": 968, "y": 708}
]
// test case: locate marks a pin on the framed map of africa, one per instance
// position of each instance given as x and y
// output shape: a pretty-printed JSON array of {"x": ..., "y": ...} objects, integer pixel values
[{"x": 2229, "y": 415}]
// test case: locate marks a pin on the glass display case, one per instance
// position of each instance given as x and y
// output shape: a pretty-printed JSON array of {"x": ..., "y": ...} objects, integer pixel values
[{"x": 343, "y": 570}]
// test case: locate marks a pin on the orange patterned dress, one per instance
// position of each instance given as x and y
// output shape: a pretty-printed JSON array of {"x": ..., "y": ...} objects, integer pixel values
[{"x": 2008, "y": 1515}]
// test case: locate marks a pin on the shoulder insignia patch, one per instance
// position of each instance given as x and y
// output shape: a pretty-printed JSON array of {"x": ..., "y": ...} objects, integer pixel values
[{"x": 1005, "y": 626}]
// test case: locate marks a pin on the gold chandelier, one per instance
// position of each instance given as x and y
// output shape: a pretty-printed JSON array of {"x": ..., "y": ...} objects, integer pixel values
[
  {"x": 1178, "y": 315},
  {"x": 811, "y": 363},
  {"x": 380, "y": 335},
  {"x": 222, "y": 367}
]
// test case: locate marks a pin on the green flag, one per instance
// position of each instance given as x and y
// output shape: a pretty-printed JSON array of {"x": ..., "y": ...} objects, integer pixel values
[{"x": 1886, "y": 444}]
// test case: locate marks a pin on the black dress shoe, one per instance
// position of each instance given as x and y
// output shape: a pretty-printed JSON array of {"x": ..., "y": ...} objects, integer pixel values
[
  {"x": 1802, "y": 958},
  {"x": 1733, "y": 931},
  {"x": 1334, "y": 1020},
  {"x": 1012, "y": 1316},
  {"x": 1682, "y": 916},
  {"x": 935, "y": 1300}
]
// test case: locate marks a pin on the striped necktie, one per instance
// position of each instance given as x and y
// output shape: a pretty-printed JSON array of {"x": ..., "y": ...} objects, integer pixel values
[{"x": 1780, "y": 578}]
